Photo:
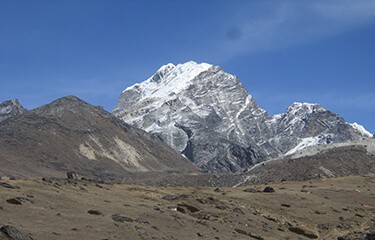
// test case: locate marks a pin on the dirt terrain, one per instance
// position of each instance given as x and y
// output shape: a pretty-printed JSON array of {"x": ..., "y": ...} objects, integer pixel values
[{"x": 64, "y": 209}]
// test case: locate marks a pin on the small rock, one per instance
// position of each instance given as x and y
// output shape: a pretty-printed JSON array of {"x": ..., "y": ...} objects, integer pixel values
[
  {"x": 72, "y": 176},
  {"x": 181, "y": 210},
  {"x": 208, "y": 216},
  {"x": 121, "y": 218},
  {"x": 343, "y": 238},
  {"x": 14, "y": 234},
  {"x": 218, "y": 190},
  {"x": 242, "y": 232},
  {"x": 183, "y": 196},
  {"x": 221, "y": 207},
  {"x": 170, "y": 197},
  {"x": 250, "y": 190},
  {"x": 320, "y": 212},
  {"x": 142, "y": 221},
  {"x": 188, "y": 207},
  {"x": 13, "y": 178},
  {"x": 47, "y": 179},
  {"x": 302, "y": 231},
  {"x": 324, "y": 226},
  {"x": 269, "y": 189},
  {"x": 200, "y": 234},
  {"x": 285, "y": 205},
  {"x": 370, "y": 236},
  {"x": 18, "y": 200},
  {"x": 7, "y": 185},
  {"x": 94, "y": 212},
  {"x": 141, "y": 231},
  {"x": 238, "y": 210}
]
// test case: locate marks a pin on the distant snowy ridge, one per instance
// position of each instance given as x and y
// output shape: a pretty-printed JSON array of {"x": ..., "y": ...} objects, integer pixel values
[{"x": 361, "y": 130}]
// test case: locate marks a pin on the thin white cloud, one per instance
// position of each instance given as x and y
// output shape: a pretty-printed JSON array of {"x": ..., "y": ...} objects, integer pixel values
[{"x": 279, "y": 25}]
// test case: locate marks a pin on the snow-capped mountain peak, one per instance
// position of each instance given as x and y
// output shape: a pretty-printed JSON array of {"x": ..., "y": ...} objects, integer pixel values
[
  {"x": 306, "y": 108},
  {"x": 207, "y": 115},
  {"x": 169, "y": 79}
]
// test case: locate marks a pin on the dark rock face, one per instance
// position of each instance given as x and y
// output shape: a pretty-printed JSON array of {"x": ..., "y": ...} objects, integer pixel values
[
  {"x": 207, "y": 115},
  {"x": 10, "y": 108},
  {"x": 72, "y": 135}
]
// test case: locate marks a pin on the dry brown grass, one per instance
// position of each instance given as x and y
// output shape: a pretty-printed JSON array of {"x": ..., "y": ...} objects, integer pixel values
[{"x": 327, "y": 208}]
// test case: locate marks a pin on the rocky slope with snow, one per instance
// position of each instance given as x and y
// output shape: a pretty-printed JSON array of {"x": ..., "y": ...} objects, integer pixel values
[{"x": 207, "y": 115}]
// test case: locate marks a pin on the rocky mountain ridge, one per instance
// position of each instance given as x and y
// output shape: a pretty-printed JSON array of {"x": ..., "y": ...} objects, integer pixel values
[
  {"x": 207, "y": 115},
  {"x": 10, "y": 108},
  {"x": 72, "y": 135}
]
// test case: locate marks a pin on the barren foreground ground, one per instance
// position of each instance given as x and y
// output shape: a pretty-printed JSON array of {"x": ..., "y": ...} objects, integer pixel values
[{"x": 59, "y": 209}]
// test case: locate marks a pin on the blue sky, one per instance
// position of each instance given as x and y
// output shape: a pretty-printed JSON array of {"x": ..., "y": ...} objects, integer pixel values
[{"x": 282, "y": 51}]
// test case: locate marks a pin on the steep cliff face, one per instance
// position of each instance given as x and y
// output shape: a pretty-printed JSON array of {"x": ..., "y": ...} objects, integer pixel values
[{"x": 207, "y": 115}]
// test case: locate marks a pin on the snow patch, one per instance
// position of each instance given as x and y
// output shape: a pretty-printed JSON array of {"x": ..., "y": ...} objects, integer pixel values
[
  {"x": 305, "y": 142},
  {"x": 361, "y": 130},
  {"x": 169, "y": 79}
]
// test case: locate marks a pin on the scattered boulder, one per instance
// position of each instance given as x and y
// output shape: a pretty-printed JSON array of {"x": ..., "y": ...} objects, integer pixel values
[
  {"x": 19, "y": 200},
  {"x": 183, "y": 196},
  {"x": 304, "y": 232},
  {"x": 200, "y": 234},
  {"x": 72, "y": 176},
  {"x": 188, "y": 207},
  {"x": 142, "y": 221},
  {"x": 121, "y": 218},
  {"x": 249, "y": 234},
  {"x": 94, "y": 212},
  {"x": 7, "y": 185},
  {"x": 47, "y": 179},
  {"x": 343, "y": 238},
  {"x": 13, "y": 178},
  {"x": 141, "y": 231},
  {"x": 218, "y": 190},
  {"x": 370, "y": 236},
  {"x": 181, "y": 210},
  {"x": 208, "y": 216},
  {"x": 170, "y": 197},
  {"x": 238, "y": 210},
  {"x": 13, "y": 233},
  {"x": 250, "y": 190},
  {"x": 269, "y": 189},
  {"x": 285, "y": 205}
]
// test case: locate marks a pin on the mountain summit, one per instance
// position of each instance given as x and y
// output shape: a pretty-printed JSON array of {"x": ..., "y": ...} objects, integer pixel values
[
  {"x": 207, "y": 115},
  {"x": 10, "y": 108}
]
